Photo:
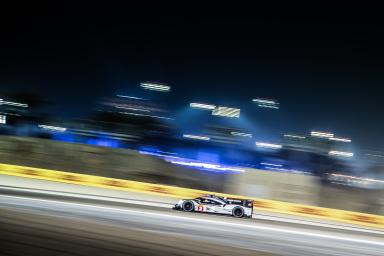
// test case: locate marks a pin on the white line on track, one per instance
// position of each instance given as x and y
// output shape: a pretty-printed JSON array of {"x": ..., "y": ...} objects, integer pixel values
[
  {"x": 84, "y": 196},
  {"x": 237, "y": 225}
]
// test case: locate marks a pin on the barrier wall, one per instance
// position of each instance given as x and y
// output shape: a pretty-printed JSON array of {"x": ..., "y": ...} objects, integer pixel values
[
  {"x": 306, "y": 189},
  {"x": 117, "y": 163},
  {"x": 278, "y": 186},
  {"x": 178, "y": 192}
]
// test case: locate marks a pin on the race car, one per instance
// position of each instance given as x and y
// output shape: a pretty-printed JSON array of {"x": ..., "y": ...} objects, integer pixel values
[{"x": 215, "y": 204}]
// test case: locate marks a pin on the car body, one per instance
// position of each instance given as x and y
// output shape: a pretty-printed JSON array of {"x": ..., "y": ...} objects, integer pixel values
[{"x": 219, "y": 205}]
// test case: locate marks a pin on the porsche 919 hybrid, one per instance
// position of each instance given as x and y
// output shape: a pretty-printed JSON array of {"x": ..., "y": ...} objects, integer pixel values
[{"x": 220, "y": 205}]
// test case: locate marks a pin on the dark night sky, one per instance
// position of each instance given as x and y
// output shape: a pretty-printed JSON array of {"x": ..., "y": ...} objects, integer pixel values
[{"x": 325, "y": 66}]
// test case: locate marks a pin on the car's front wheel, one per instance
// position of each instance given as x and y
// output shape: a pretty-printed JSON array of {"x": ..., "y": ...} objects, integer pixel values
[
  {"x": 188, "y": 206},
  {"x": 238, "y": 212}
]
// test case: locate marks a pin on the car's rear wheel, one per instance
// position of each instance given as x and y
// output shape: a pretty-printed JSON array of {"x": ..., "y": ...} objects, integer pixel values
[
  {"x": 238, "y": 212},
  {"x": 188, "y": 206}
]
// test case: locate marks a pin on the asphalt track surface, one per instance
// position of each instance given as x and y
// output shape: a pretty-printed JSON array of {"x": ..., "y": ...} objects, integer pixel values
[{"x": 38, "y": 224}]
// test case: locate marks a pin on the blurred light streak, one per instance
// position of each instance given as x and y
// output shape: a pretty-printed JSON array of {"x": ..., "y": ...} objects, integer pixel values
[
  {"x": 374, "y": 155},
  {"x": 242, "y": 134},
  {"x": 354, "y": 181},
  {"x": 284, "y": 170},
  {"x": 275, "y": 165},
  {"x": 263, "y": 103},
  {"x": 350, "y": 177},
  {"x": 226, "y": 112},
  {"x": 196, "y": 137},
  {"x": 294, "y": 136},
  {"x": 224, "y": 139},
  {"x": 322, "y": 134},
  {"x": 3, "y": 119},
  {"x": 10, "y": 103},
  {"x": 130, "y": 97},
  {"x": 340, "y": 153},
  {"x": 135, "y": 114},
  {"x": 134, "y": 109},
  {"x": 166, "y": 152},
  {"x": 340, "y": 139},
  {"x": 160, "y": 154},
  {"x": 208, "y": 166},
  {"x": 268, "y": 145},
  {"x": 202, "y": 106},
  {"x": 118, "y": 136},
  {"x": 155, "y": 87},
  {"x": 52, "y": 128},
  {"x": 9, "y": 114},
  {"x": 267, "y": 106}
]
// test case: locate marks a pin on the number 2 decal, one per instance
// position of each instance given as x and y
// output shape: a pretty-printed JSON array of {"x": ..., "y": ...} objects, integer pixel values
[{"x": 201, "y": 208}]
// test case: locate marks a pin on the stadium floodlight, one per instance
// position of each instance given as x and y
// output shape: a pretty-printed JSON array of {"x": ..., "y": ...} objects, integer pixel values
[
  {"x": 52, "y": 128},
  {"x": 322, "y": 134},
  {"x": 294, "y": 136},
  {"x": 340, "y": 139},
  {"x": 10, "y": 103},
  {"x": 226, "y": 111},
  {"x": 242, "y": 134},
  {"x": 268, "y": 145},
  {"x": 155, "y": 87},
  {"x": 202, "y": 106},
  {"x": 340, "y": 153},
  {"x": 196, "y": 137}
]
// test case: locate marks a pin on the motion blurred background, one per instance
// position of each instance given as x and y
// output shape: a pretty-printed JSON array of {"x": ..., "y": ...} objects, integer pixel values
[
  {"x": 281, "y": 106},
  {"x": 136, "y": 138},
  {"x": 262, "y": 105}
]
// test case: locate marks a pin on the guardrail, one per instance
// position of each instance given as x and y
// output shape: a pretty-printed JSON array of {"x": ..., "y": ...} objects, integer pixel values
[{"x": 358, "y": 218}]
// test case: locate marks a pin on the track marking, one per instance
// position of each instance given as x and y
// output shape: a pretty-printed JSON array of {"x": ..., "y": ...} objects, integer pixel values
[{"x": 94, "y": 197}]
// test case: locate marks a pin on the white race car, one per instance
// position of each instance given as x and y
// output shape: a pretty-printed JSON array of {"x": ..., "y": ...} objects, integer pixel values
[{"x": 220, "y": 205}]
